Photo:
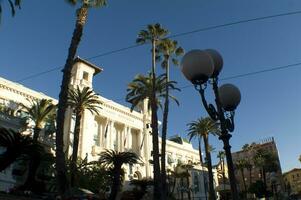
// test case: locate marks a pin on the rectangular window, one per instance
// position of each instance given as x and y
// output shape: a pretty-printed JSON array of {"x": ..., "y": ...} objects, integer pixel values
[
  {"x": 86, "y": 76},
  {"x": 96, "y": 136}
]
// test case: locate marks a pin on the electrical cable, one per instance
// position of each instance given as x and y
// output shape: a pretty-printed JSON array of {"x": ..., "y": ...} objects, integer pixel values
[{"x": 172, "y": 36}]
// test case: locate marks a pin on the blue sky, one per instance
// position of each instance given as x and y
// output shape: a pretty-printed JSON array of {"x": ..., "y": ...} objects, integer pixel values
[{"x": 38, "y": 37}]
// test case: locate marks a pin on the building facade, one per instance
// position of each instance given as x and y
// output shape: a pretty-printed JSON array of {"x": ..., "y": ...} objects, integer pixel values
[
  {"x": 292, "y": 180},
  {"x": 254, "y": 174},
  {"x": 115, "y": 127}
]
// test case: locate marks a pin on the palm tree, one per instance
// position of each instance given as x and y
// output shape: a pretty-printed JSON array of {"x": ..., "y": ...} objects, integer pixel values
[
  {"x": 241, "y": 165},
  {"x": 153, "y": 34},
  {"x": 266, "y": 161},
  {"x": 141, "y": 88},
  {"x": 16, "y": 146},
  {"x": 202, "y": 128},
  {"x": 12, "y": 5},
  {"x": 168, "y": 50},
  {"x": 246, "y": 147},
  {"x": 81, "y": 18},
  {"x": 249, "y": 167},
  {"x": 80, "y": 100},
  {"x": 247, "y": 163},
  {"x": 179, "y": 172},
  {"x": 115, "y": 160},
  {"x": 39, "y": 111}
]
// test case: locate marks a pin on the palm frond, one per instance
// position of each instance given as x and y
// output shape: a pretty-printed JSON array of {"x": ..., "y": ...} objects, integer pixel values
[
  {"x": 203, "y": 127},
  {"x": 84, "y": 99},
  {"x": 12, "y": 7}
]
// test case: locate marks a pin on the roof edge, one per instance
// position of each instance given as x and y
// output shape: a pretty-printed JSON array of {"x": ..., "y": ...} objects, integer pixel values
[{"x": 97, "y": 69}]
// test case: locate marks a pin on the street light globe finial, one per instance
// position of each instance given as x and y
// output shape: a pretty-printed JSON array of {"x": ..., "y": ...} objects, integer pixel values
[
  {"x": 197, "y": 66},
  {"x": 217, "y": 60},
  {"x": 229, "y": 96}
]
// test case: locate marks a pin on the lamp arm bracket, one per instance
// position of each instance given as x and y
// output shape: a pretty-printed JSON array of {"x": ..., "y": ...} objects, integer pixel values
[
  {"x": 230, "y": 121},
  {"x": 209, "y": 107}
]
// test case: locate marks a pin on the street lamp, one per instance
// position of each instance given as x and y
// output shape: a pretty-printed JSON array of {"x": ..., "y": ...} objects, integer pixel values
[{"x": 202, "y": 67}]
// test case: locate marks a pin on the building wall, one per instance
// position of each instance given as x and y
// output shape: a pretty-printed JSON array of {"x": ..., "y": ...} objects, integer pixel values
[
  {"x": 293, "y": 179},
  {"x": 268, "y": 145},
  {"x": 115, "y": 127}
]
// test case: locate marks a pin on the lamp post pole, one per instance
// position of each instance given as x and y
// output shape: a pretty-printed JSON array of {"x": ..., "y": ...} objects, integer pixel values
[
  {"x": 225, "y": 137},
  {"x": 198, "y": 66}
]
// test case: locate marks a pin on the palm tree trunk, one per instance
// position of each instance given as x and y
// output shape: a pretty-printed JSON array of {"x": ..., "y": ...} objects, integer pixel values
[
  {"x": 36, "y": 133},
  {"x": 154, "y": 118},
  {"x": 164, "y": 133},
  {"x": 200, "y": 151},
  {"x": 33, "y": 164},
  {"x": 265, "y": 183},
  {"x": 250, "y": 176},
  {"x": 188, "y": 190},
  {"x": 201, "y": 161},
  {"x": 174, "y": 185},
  {"x": 243, "y": 179},
  {"x": 182, "y": 193},
  {"x": 209, "y": 164},
  {"x": 61, "y": 170},
  {"x": 76, "y": 134},
  {"x": 116, "y": 183}
]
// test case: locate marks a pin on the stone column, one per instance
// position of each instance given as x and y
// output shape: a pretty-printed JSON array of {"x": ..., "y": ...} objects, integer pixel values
[
  {"x": 105, "y": 141},
  {"x": 129, "y": 140},
  {"x": 100, "y": 133},
  {"x": 111, "y": 135}
]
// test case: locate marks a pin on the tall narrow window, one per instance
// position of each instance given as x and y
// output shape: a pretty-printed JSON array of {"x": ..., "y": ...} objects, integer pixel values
[
  {"x": 96, "y": 134},
  {"x": 86, "y": 76}
]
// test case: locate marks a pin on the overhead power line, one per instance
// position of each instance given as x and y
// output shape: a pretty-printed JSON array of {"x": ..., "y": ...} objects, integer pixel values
[
  {"x": 263, "y": 71},
  {"x": 234, "y": 23},
  {"x": 171, "y": 36},
  {"x": 298, "y": 64}
]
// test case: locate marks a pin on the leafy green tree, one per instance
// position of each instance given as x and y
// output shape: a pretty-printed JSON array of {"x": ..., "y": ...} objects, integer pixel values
[
  {"x": 154, "y": 34},
  {"x": 81, "y": 18},
  {"x": 258, "y": 188},
  {"x": 168, "y": 50},
  {"x": 300, "y": 158},
  {"x": 17, "y": 146},
  {"x": 115, "y": 160},
  {"x": 92, "y": 176},
  {"x": 13, "y": 5},
  {"x": 80, "y": 100},
  {"x": 245, "y": 147},
  {"x": 202, "y": 128},
  {"x": 141, "y": 187}
]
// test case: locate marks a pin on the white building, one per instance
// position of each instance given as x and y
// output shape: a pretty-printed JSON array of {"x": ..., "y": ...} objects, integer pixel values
[{"x": 116, "y": 127}]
